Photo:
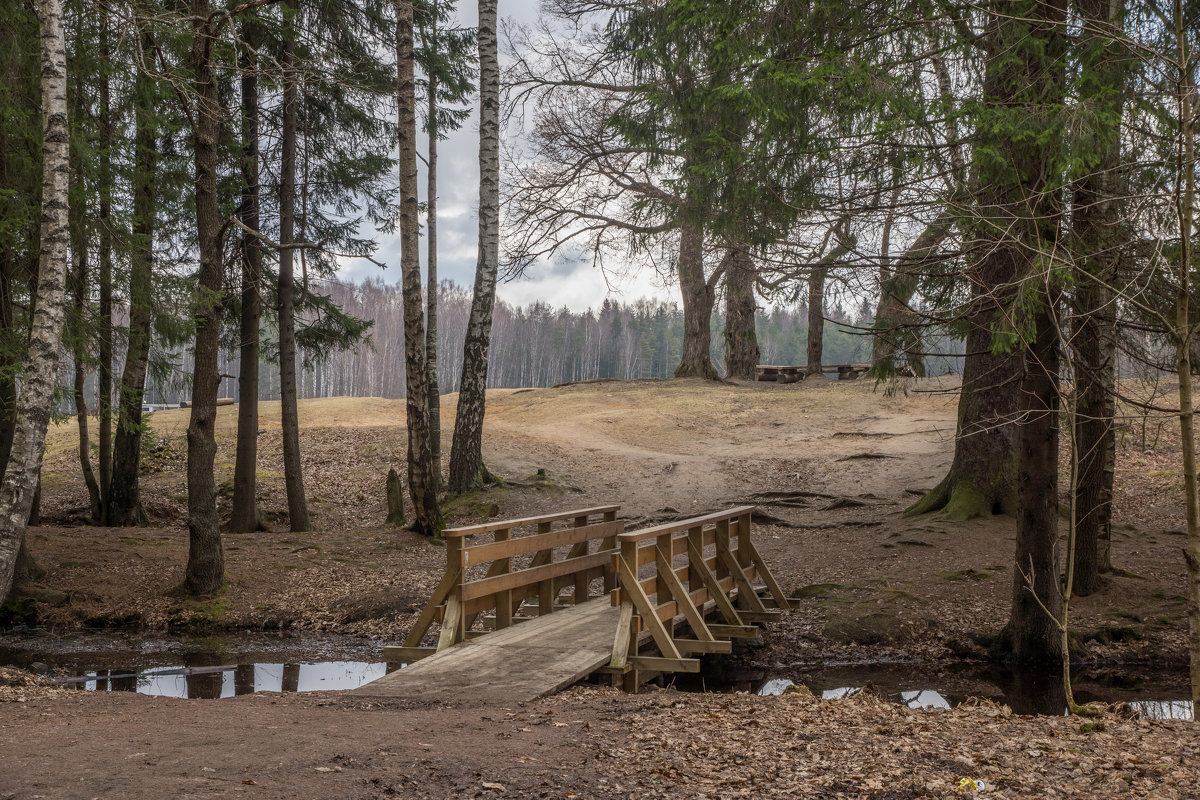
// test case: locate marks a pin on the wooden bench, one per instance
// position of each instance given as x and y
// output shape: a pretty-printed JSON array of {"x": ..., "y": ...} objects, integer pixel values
[{"x": 792, "y": 374}]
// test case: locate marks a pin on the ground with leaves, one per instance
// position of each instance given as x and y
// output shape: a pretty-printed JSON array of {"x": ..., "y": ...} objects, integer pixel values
[{"x": 586, "y": 743}]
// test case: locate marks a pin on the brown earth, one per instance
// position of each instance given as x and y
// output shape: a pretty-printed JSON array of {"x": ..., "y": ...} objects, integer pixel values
[{"x": 879, "y": 587}]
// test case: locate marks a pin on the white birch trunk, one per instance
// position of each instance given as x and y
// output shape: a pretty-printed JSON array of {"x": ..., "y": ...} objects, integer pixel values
[{"x": 41, "y": 363}]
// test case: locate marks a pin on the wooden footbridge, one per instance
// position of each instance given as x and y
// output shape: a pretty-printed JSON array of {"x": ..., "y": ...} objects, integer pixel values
[{"x": 530, "y": 606}]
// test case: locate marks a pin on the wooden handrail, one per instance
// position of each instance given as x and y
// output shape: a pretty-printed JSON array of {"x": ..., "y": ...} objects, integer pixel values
[
  {"x": 533, "y": 575},
  {"x": 682, "y": 525},
  {"x": 507, "y": 548},
  {"x": 457, "y": 601},
  {"x": 489, "y": 527}
]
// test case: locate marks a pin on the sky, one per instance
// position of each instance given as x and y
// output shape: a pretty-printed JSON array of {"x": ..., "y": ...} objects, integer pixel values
[{"x": 575, "y": 285}]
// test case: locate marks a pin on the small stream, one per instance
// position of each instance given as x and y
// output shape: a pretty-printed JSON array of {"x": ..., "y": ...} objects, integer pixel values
[{"x": 212, "y": 667}]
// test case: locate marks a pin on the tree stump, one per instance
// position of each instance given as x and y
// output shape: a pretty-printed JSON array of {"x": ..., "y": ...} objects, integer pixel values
[{"x": 395, "y": 499}]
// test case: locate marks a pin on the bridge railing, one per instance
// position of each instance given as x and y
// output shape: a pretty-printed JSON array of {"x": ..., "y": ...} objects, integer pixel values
[
  {"x": 680, "y": 572},
  {"x": 521, "y": 565}
]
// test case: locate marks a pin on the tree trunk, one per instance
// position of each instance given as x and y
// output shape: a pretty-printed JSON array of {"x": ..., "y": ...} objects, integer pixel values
[
  {"x": 245, "y": 517},
  {"x": 79, "y": 282},
  {"x": 124, "y": 500},
  {"x": 1185, "y": 208},
  {"x": 206, "y": 558},
  {"x": 741, "y": 340},
  {"x": 1032, "y": 632},
  {"x": 816, "y": 320},
  {"x": 466, "y": 451},
  {"x": 395, "y": 499},
  {"x": 9, "y": 358},
  {"x": 982, "y": 476},
  {"x": 1035, "y": 630},
  {"x": 431, "y": 283},
  {"x": 104, "y": 351},
  {"x": 45, "y": 339},
  {"x": 1095, "y": 219},
  {"x": 422, "y": 484},
  {"x": 697, "y": 296},
  {"x": 77, "y": 320},
  {"x": 896, "y": 331},
  {"x": 293, "y": 476}
]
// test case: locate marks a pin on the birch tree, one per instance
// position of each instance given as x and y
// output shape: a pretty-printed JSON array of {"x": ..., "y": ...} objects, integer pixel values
[
  {"x": 422, "y": 484},
  {"x": 41, "y": 363},
  {"x": 467, "y": 470}
]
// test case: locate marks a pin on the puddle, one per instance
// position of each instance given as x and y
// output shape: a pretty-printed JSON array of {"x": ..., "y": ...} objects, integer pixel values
[
  {"x": 211, "y": 683},
  {"x": 208, "y": 667}
]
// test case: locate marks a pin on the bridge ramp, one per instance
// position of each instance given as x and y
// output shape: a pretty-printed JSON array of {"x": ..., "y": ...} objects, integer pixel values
[{"x": 512, "y": 665}]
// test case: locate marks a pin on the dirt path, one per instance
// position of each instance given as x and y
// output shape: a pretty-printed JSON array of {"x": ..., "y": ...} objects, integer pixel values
[
  {"x": 588, "y": 743},
  {"x": 687, "y": 444}
]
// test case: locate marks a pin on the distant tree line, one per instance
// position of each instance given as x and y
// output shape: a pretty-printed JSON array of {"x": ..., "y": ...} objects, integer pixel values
[{"x": 534, "y": 345}]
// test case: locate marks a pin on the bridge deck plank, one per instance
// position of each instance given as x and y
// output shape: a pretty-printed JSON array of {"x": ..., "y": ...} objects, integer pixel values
[{"x": 512, "y": 665}]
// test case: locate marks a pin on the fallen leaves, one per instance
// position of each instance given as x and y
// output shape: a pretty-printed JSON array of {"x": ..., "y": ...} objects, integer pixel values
[{"x": 672, "y": 745}]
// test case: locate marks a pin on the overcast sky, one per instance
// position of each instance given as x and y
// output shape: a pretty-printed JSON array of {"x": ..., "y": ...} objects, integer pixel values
[{"x": 577, "y": 286}]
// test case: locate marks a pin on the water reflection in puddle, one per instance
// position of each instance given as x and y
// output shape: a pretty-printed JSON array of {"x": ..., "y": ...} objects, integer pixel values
[
  {"x": 933, "y": 699},
  {"x": 210, "y": 683}
]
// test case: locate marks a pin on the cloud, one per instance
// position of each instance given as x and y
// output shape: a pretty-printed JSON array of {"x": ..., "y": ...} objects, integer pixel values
[{"x": 565, "y": 282}]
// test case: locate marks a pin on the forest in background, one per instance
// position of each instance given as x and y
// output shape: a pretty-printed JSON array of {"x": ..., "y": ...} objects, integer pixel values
[{"x": 533, "y": 345}]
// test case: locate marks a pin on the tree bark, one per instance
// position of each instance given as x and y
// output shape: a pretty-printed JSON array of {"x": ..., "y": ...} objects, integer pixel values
[
  {"x": 422, "y": 484},
  {"x": 206, "y": 558},
  {"x": 245, "y": 517},
  {"x": 9, "y": 358},
  {"x": 1095, "y": 221},
  {"x": 1185, "y": 209},
  {"x": 1038, "y": 615},
  {"x": 38, "y": 379},
  {"x": 1032, "y": 632},
  {"x": 466, "y": 451},
  {"x": 293, "y": 475},
  {"x": 697, "y": 294},
  {"x": 124, "y": 498},
  {"x": 741, "y": 339},
  {"x": 78, "y": 336},
  {"x": 431, "y": 282},
  {"x": 104, "y": 351},
  {"x": 77, "y": 320},
  {"x": 982, "y": 477},
  {"x": 816, "y": 320}
]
